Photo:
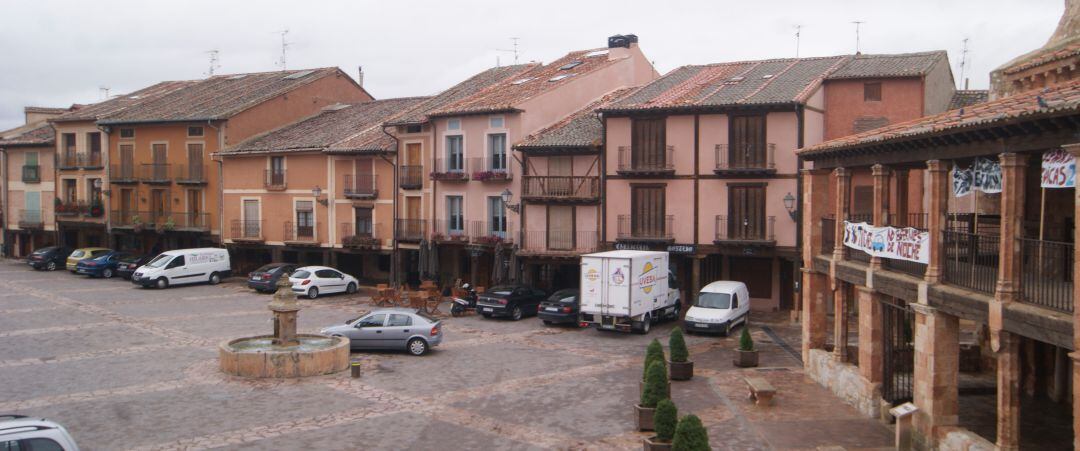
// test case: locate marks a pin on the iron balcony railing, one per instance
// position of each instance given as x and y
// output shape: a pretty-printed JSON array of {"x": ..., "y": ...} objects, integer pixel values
[
  {"x": 140, "y": 218},
  {"x": 490, "y": 169},
  {"x": 828, "y": 234},
  {"x": 30, "y": 219},
  {"x": 971, "y": 223},
  {"x": 360, "y": 186},
  {"x": 155, "y": 173},
  {"x": 558, "y": 242},
  {"x": 274, "y": 179},
  {"x": 191, "y": 174},
  {"x": 1047, "y": 274},
  {"x": 31, "y": 173},
  {"x": 122, "y": 173},
  {"x": 639, "y": 161},
  {"x": 411, "y": 177},
  {"x": 410, "y": 229},
  {"x": 642, "y": 227},
  {"x": 971, "y": 260},
  {"x": 362, "y": 234},
  {"x": 490, "y": 233},
  {"x": 247, "y": 229},
  {"x": 91, "y": 160},
  {"x": 561, "y": 188},
  {"x": 189, "y": 220},
  {"x": 450, "y": 170},
  {"x": 745, "y": 157},
  {"x": 290, "y": 231},
  {"x": 744, "y": 229},
  {"x": 450, "y": 231},
  {"x": 68, "y": 160}
]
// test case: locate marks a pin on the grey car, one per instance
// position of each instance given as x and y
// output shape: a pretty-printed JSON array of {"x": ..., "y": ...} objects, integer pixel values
[{"x": 393, "y": 329}]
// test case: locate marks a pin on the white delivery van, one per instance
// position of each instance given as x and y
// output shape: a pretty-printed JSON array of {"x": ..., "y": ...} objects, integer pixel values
[
  {"x": 719, "y": 307},
  {"x": 208, "y": 264},
  {"x": 627, "y": 290}
]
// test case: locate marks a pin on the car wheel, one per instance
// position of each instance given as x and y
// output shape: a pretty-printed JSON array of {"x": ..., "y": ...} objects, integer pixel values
[
  {"x": 215, "y": 278},
  {"x": 417, "y": 346},
  {"x": 486, "y": 315},
  {"x": 515, "y": 313},
  {"x": 645, "y": 325},
  {"x": 162, "y": 283},
  {"x": 51, "y": 266},
  {"x": 547, "y": 323},
  {"x": 351, "y": 288},
  {"x": 107, "y": 273},
  {"x": 312, "y": 293},
  {"x": 456, "y": 310}
]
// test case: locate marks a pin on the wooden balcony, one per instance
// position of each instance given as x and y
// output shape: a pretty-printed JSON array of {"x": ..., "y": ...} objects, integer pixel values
[
  {"x": 560, "y": 189},
  {"x": 558, "y": 244}
]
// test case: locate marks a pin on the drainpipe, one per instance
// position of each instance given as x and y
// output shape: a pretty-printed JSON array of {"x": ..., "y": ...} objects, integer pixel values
[
  {"x": 393, "y": 227},
  {"x": 800, "y": 113}
]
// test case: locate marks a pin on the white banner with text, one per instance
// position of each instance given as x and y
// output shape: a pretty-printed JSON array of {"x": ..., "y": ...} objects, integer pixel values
[{"x": 888, "y": 242}]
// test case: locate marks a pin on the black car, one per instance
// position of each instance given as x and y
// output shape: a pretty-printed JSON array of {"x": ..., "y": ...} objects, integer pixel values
[
  {"x": 127, "y": 265},
  {"x": 49, "y": 258},
  {"x": 562, "y": 307},
  {"x": 514, "y": 301},
  {"x": 265, "y": 279}
]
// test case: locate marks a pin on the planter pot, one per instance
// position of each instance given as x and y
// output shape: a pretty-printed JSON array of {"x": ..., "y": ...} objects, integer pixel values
[
  {"x": 681, "y": 371},
  {"x": 644, "y": 417},
  {"x": 746, "y": 359},
  {"x": 650, "y": 444}
]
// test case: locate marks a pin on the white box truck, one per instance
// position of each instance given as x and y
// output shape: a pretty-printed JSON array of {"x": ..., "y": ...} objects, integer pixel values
[{"x": 627, "y": 290}]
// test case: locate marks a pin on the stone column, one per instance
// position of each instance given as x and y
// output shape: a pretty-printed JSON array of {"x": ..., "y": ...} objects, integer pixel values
[
  {"x": 815, "y": 205},
  {"x": 1012, "y": 226},
  {"x": 1008, "y": 391},
  {"x": 937, "y": 370},
  {"x": 814, "y": 288},
  {"x": 1074, "y": 149},
  {"x": 841, "y": 200},
  {"x": 871, "y": 335},
  {"x": 840, "y": 323},
  {"x": 935, "y": 217},
  {"x": 881, "y": 203}
]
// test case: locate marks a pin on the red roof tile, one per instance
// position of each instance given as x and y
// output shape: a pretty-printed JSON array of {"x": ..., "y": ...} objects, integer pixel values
[
  {"x": 579, "y": 130},
  {"x": 421, "y": 113},
  {"x": 117, "y": 104},
  {"x": 40, "y": 134}
]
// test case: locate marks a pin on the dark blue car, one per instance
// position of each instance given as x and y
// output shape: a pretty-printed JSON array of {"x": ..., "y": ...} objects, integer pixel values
[{"x": 101, "y": 266}]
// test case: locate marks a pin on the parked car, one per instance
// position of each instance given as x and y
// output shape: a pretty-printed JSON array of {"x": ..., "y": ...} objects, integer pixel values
[
  {"x": 208, "y": 264},
  {"x": 48, "y": 258},
  {"x": 126, "y": 266},
  {"x": 19, "y": 432},
  {"x": 82, "y": 254},
  {"x": 104, "y": 265},
  {"x": 311, "y": 281},
  {"x": 265, "y": 279},
  {"x": 391, "y": 328},
  {"x": 513, "y": 301},
  {"x": 562, "y": 307},
  {"x": 719, "y": 307}
]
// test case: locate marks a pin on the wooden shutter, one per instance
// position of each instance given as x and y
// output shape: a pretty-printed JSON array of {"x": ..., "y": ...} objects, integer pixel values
[
  {"x": 647, "y": 143},
  {"x": 746, "y": 215},
  {"x": 747, "y": 142},
  {"x": 647, "y": 216}
]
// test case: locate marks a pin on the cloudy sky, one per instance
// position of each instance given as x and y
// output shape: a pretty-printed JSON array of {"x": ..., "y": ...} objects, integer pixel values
[{"x": 55, "y": 53}]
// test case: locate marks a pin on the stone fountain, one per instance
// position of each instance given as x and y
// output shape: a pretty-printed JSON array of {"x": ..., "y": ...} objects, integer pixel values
[{"x": 284, "y": 354}]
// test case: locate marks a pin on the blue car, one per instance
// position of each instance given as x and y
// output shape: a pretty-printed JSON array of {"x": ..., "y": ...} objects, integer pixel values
[{"x": 104, "y": 265}]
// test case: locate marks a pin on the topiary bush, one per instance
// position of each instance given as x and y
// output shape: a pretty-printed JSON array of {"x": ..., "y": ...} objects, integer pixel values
[
  {"x": 746, "y": 343},
  {"x": 655, "y": 385},
  {"x": 654, "y": 352},
  {"x": 665, "y": 420},
  {"x": 677, "y": 343},
  {"x": 690, "y": 435}
]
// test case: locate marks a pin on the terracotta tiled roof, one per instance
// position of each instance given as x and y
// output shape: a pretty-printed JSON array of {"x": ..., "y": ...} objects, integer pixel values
[
  {"x": 1059, "y": 100},
  {"x": 890, "y": 65},
  {"x": 48, "y": 110},
  {"x": 420, "y": 113},
  {"x": 1043, "y": 56},
  {"x": 116, "y": 104},
  {"x": 581, "y": 129},
  {"x": 508, "y": 93},
  {"x": 778, "y": 81},
  {"x": 343, "y": 127},
  {"x": 966, "y": 97},
  {"x": 218, "y": 97},
  {"x": 39, "y": 134}
]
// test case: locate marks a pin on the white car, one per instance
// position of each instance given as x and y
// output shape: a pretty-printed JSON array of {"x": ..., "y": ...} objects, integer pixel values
[
  {"x": 311, "y": 281},
  {"x": 184, "y": 266},
  {"x": 719, "y": 307},
  {"x": 19, "y": 432}
]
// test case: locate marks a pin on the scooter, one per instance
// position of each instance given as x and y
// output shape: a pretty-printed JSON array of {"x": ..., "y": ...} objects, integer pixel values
[{"x": 464, "y": 303}]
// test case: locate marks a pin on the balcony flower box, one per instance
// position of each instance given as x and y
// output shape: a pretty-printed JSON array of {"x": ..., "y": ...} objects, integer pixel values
[
  {"x": 360, "y": 241},
  {"x": 96, "y": 211},
  {"x": 484, "y": 176},
  {"x": 490, "y": 240},
  {"x": 449, "y": 176}
]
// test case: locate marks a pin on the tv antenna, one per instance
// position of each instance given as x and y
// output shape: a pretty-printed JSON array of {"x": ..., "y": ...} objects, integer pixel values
[
  {"x": 213, "y": 54},
  {"x": 283, "y": 62},
  {"x": 798, "y": 33},
  {"x": 104, "y": 92},
  {"x": 963, "y": 62},
  {"x": 857, "y": 23},
  {"x": 514, "y": 50}
]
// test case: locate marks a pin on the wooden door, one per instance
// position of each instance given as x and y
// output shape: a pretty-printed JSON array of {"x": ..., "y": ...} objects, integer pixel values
[
  {"x": 412, "y": 226},
  {"x": 412, "y": 154},
  {"x": 364, "y": 178},
  {"x": 648, "y": 142},
  {"x": 747, "y": 145},
  {"x": 127, "y": 161},
  {"x": 195, "y": 161},
  {"x": 746, "y": 212},
  {"x": 127, "y": 201},
  {"x": 647, "y": 217},
  {"x": 561, "y": 227},
  {"x": 159, "y": 203},
  {"x": 158, "y": 152},
  {"x": 194, "y": 204}
]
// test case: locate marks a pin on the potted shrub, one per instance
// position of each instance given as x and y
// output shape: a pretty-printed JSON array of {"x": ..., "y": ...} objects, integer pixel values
[
  {"x": 653, "y": 353},
  {"x": 682, "y": 369},
  {"x": 655, "y": 390},
  {"x": 690, "y": 435},
  {"x": 665, "y": 418},
  {"x": 746, "y": 355}
]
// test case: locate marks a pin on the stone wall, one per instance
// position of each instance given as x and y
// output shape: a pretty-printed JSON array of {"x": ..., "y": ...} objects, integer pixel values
[{"x": 845, "y": 381}]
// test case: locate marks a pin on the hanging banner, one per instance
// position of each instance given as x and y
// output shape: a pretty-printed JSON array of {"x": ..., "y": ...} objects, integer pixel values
[
  {"x": 1058, "y": 169},
  {"x": 984, "y": 175},
  {"x": 888, "y": 242}
]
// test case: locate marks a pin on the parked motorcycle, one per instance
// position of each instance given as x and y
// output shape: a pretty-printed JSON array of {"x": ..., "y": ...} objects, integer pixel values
[{"x": 463, "y": 301}]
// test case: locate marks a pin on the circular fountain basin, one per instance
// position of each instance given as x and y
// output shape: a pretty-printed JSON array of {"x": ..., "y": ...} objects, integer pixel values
[{"x": 259, "y": 357}]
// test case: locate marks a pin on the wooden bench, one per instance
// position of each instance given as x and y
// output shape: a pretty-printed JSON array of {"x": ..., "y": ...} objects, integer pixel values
[{"x": 761, "y": 391}]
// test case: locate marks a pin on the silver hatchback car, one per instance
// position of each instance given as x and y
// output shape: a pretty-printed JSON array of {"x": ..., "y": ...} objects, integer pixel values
[
  {"x": 393, "y": 329},
  {"x": 19, "y": 432}
]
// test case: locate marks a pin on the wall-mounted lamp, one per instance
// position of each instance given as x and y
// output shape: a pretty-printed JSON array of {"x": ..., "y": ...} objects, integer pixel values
[
  {"x": 789, "y": 204},
  {"x": 507, "y": 196},
  {"x": 98, "y": 184},
  {"x": 316, "y": 192}
]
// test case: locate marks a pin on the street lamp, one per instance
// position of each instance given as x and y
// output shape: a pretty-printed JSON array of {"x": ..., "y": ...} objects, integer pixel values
[
  {"x": 316, "y": 192},
  {"x": 506, "y": 197},
  {"x": 789, "y": 204},
  {"x": 97, "y": 185}
]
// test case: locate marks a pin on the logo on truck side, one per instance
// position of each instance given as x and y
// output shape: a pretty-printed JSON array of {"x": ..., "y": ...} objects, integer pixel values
[
  {"x": 592, "y": 275},
  {"x": 647, "y": 279},
  {"x": 617, "y": 277}
]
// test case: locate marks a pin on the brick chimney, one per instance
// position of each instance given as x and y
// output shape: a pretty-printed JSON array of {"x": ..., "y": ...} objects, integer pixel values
[{"x": 619, "y": 45}]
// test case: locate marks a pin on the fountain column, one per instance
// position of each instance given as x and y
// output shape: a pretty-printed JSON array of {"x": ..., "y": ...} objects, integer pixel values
[{"x": 284, "y": 307}]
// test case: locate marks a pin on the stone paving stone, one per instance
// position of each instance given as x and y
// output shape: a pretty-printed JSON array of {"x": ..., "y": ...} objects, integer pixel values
[
  {"x": 810, "y": 433},
  {"x": 185, "y": 307},
  {"x": 19, "y": 301},
  {"x": 47, "y": 318},
  {"x": 73, "y": 342}
]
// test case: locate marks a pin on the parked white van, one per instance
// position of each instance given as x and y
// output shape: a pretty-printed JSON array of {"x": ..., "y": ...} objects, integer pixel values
[
  {"x": 719, "y": 307},
  {"x": 208, "y": 264}
]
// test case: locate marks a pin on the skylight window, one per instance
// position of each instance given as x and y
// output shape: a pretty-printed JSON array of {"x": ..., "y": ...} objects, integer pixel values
[
  {"x": 596, "y": 53},
  {"x": 523, "y": 80},
  {"x": 766, "y": 76},
  {"x": 560, "y": 77},
  {"x": 733, "y": 80},
  {"x": 571, "y": 65},
  {"x": 300, "y": 74}
]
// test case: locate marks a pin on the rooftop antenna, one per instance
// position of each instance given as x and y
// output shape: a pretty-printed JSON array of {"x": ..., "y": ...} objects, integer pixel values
[
  {"x": 514, "y": 50},
  {"x": 284, "y": 49},
  {"x": 963, "y": 62},
  {"x": 213, "y": 54},
  {"x": 104, "y": 92},
  {"x": 857, "y": 24},
  {"x": 798, "y": 33}
]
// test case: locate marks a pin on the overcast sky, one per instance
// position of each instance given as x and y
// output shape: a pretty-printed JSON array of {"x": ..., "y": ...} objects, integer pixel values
[{"x": 55, "y": 53}]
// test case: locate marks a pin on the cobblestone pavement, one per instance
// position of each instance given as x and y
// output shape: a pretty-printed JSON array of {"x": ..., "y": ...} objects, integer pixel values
[{"x": 129, "y": 368}]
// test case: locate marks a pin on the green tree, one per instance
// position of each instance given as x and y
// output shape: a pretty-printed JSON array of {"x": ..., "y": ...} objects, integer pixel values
[
  {"x": 655, "y": 385},
  {"x": 654, "y": 352},
  {"x": 746, "y": 343},
  {"x": 690, "y": 435},
  {"x": 665, "y": 419},
  {"x": 677, "y": 343}
]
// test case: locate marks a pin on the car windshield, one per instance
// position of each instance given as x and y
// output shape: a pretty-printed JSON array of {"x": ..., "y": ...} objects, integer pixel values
[
  {"x": 714, "y": 300},
  {"x": 77, "y": 254},
  {"x": 159, "y": 261},
  {"x": 300, "y": 275},
  {"x": 502, "y": 291},
  {"x": 565, "y": 296},
  {"x": 268, "y": 268},
  {"x": 44, "y": 250}
]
